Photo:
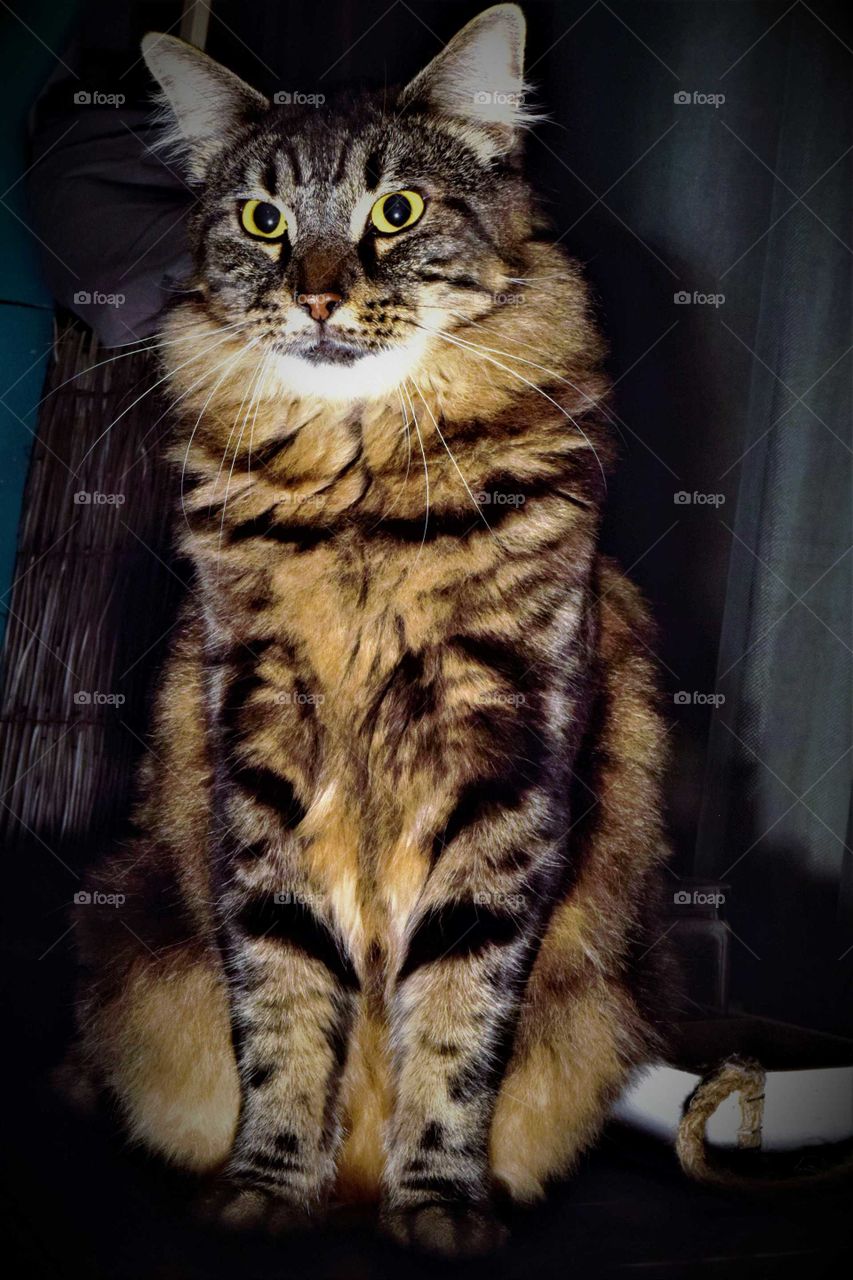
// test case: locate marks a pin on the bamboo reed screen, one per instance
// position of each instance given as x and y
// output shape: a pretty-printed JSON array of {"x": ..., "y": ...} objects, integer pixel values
[{"x": 93, "y": 599}]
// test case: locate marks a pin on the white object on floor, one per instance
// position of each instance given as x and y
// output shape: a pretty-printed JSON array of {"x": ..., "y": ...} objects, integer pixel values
[{"x": 801, "y": 1108}]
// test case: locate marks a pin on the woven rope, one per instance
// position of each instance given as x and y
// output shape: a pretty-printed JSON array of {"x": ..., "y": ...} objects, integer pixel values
[
  {"x": 737, "y": 1075},
  {"x": 747, "y": 1078}
]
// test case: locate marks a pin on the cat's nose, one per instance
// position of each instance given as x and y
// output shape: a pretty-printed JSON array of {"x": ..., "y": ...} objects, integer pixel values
[{"x": 319, "y": 305}]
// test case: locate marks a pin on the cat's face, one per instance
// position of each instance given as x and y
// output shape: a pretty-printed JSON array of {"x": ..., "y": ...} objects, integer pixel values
[{"x": 338, "y": 236}]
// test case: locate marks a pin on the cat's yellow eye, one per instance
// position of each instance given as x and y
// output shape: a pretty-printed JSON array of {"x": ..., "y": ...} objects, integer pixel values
[
  {"x": 262, "y": 220},
  {"x": 396, "y": 212}
]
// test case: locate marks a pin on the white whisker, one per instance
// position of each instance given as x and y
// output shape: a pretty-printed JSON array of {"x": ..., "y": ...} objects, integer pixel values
[
  {"x": 234, "y": 426},
  {"x": 256, "y": 388},
  {"x": 195, "y": 383},
  {"x": 426, "y": 472},
  {"x": 225, "y": 338},
  {"x": 404, "y": 482},
  {"x": 230, "y": 361},
  {"x": 267, "y": 356},
  {"x": 591, "y": 400},
  {"x": 141, "y": 346},
  {"x": 472, "y": 346},
  {"x": 477, "y": 506}
]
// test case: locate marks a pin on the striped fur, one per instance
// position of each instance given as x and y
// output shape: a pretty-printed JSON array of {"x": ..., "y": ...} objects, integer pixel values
[{"x": 393, "y": 868}]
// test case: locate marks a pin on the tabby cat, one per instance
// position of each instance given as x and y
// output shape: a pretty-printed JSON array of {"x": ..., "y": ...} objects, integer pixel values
[{"x": 389, "y": 884}]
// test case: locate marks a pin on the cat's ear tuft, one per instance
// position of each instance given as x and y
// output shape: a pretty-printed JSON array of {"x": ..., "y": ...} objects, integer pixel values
[
  {"x": 201, "y": 101},
  {"x": 478, "y": 78}
]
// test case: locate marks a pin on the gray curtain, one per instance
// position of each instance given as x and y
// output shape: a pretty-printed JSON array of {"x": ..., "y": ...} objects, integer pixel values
[
  {"x": 775, "y": 818},
  {"x": 747, "y": 400}
]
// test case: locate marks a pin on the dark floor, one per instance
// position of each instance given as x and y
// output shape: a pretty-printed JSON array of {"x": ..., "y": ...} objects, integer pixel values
[{"x": 80, "y": 1205}]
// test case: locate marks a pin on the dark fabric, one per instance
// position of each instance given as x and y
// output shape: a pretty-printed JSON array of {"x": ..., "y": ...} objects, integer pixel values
[{"x": 109, "y": 210}]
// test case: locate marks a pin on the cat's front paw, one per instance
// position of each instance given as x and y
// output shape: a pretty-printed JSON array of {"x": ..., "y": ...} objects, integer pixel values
[
  {"x": 239, "y": 1208},
  {"x": 450, "y": 1230}
]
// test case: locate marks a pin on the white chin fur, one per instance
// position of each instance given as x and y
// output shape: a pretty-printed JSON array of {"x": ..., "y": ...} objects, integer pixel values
[{"x": 371, "y": 377}]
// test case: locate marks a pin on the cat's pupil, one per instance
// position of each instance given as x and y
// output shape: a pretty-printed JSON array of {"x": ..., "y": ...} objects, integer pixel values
[
  {"x": 266, "y": 217},
  {"x": 397, "y": 210}
]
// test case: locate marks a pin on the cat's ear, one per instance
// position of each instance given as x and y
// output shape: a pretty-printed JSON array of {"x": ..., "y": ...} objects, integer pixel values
[
  {"x": 202, "y": 101},
  {"x": 478, "y": 77}
]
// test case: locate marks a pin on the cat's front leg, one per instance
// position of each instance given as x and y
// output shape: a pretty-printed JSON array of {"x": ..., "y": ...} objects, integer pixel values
[
  {"x": 292, "y": 983},
  {"x": 292, "y": 992},
  {"x": 454, "y": 1013}
]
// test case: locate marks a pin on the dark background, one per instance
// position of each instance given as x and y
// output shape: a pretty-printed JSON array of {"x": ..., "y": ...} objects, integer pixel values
[
  {"x": 748, "y": 400},
  {"x": 744, "y": 403}
]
